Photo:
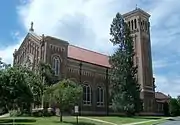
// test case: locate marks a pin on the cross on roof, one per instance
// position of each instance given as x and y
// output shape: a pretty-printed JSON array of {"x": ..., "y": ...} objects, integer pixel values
[{"x": 31, "y": 29}]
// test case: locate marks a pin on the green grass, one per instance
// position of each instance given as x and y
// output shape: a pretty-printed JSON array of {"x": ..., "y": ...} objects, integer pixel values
[
  {"x": 123, "y": 120},
  {"x": 47, "y": 121},
  {"x": 154, "y": 122},
  {"x": 70, "y": 120}
]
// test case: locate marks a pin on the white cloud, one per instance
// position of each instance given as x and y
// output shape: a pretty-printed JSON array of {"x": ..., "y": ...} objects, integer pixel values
[
  {"x": 168, "y": 85},
  {"x": 86, "y": 23},
  {"x": 7, "y": 53},
  {"x": 58, "y": 18}
]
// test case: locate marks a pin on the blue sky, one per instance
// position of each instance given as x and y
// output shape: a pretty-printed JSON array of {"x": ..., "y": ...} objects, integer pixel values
[{"x": 86, "y": 23}]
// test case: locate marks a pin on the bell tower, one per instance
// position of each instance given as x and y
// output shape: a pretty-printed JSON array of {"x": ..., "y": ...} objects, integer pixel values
[{"x": 138, "y": 22}]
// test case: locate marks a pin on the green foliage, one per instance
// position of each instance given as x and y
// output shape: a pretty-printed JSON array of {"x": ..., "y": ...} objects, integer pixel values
[
  {"x": 14, "y": 113},
  {"x": 65, "y": 94},
  {"x": 43, "y": 112},
  {"x": 174, "y": 107},
  {"x": 125, "y": 90},
  {"x": 18, "y": 86},
  {"x": 166, "y": 109},
  {"x": 46, "y": 71}
]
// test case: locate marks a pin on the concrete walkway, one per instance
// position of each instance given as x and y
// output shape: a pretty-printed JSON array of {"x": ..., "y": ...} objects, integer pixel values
[
  {"x": 111, "y": 123},
  {"x": 98, "y": 120},
  {"x": 5, "y": 115},
  {"x": 137, "y": 123}
]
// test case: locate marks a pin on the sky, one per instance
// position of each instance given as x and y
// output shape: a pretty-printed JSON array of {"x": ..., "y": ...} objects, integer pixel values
[{"x": 86, "y": 23}]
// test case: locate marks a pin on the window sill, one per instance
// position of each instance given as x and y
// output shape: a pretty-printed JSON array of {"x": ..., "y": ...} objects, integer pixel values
[
  {"x": 87, "y": 105},
  {"x": 100, "y": 105}
]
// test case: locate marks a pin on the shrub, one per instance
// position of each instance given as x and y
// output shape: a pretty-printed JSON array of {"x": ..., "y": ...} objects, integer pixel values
[
  {"x": 14, "y": 113},
  {"x": 43, "y": 112}
]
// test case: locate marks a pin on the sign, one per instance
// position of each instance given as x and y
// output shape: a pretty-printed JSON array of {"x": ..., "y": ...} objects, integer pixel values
[{"x": 76, "y": 109}]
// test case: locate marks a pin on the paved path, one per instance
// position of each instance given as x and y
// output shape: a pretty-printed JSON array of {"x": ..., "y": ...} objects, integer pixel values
[
  {"x": 172, "y": 121},
  {"x": 5, "y": 115},
  {"x": 137, "y": 123},
  {"x": 98, "y": 120},
  {"x": 110, "y": 123}
]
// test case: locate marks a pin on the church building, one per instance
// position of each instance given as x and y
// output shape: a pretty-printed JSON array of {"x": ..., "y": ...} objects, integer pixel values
[{"x": 91, "y": 69}]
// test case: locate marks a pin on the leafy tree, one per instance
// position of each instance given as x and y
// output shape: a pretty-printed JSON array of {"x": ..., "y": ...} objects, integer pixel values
[
  {"x": 35, "y": 84},
  {"x": 47, "y": 78},
  {"x": 17, "y": 87},
  {"x": 65, "y": 94},
  {"x": 174, "y": 107},
  {"x": 13, "y": 85},
  {"x": 125, "y": 90},
  {"x": 46, "y": 71},
  {"x": 166, "y": 109}
]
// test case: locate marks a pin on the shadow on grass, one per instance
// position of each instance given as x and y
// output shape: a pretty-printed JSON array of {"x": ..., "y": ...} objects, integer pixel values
[
  {"x": 75, "y": 123},
  {"x": 136, "y": 117},
  {"x": 149, "y": 118},
  {"x": 2, "y": 121}
]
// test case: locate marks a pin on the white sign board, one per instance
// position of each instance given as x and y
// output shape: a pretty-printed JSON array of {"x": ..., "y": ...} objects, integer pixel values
[{"x": 76, "y": 109}]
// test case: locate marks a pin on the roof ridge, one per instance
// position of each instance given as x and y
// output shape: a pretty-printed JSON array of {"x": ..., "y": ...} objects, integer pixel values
[{"x": 89, "y": 50}]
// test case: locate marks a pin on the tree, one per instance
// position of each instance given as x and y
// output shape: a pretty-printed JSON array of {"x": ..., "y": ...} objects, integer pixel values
[
  {"x": 46, "y": 71},
  {"x": 17, "y": 87},
  {"x": 174, "y": 107},
  {"x": 47, "y": 78},
  {"x": 65, "y": 94},
  {"x": 13, "y": 85},
  {"x": 125, "y": 90}
]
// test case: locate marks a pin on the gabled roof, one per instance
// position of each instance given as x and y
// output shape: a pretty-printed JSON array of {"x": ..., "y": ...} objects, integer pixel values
[
  {"x": 78, "y": 53},
  {"x": 160, "y": 95},
  {"x": 88, "y": 56},
  {"x": 137, "y": 10}
]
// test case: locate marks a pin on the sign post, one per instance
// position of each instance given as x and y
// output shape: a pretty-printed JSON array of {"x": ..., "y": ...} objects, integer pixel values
[{"x": 76, "y": 110}]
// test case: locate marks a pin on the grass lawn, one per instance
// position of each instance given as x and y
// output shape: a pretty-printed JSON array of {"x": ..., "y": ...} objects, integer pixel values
[
  {"x": 154, "y": 122},
  {"x": 70, "y": 120},
  {"x": 124, "y": 120}
]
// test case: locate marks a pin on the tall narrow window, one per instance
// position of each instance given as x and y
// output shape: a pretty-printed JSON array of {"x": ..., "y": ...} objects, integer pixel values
[
  {"x": 56, "y": 65},
  {"x": 129, "y": 24},
  {"x": 143, "y": 25},
  {"x": 100, "y": 96},
  {"x": 132, "y": 27},
  {"x": 146, "y": 26},
  {"x": 86, "y": 94},
  {"x": 135, "y": 23}
]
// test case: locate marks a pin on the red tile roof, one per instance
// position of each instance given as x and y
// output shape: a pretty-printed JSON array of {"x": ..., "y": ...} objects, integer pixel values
[{"x": 89, "y": 56}]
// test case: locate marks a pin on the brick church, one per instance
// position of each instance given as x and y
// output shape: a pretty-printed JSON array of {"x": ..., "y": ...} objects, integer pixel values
[{"x": 91, "y": 68}]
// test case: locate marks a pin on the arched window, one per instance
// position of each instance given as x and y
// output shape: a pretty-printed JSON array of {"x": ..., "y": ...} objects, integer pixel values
[
  {"x": 86, "y": 94},
  {"x": 100, "y": 96},
  {"x": 56, "y": 65},
  {"x": 135, "y": 23}
]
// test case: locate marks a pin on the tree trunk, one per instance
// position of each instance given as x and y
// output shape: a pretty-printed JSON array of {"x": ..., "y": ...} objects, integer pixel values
[{"x": 60, "y": 116}]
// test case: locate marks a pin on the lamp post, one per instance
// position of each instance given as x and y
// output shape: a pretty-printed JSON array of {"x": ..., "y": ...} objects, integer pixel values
[{"x": 76, "y": 111}]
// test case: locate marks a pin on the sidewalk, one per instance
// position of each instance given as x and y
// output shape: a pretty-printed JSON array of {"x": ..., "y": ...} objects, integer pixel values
[{"x": 5, "y": 115}]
